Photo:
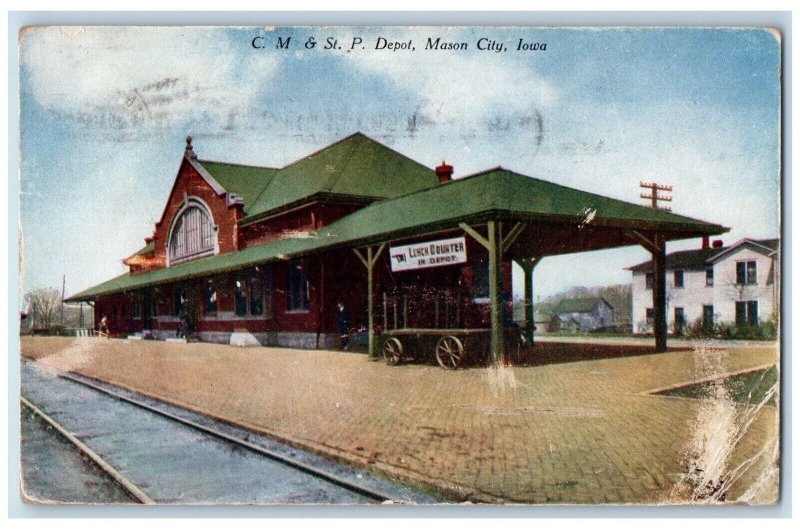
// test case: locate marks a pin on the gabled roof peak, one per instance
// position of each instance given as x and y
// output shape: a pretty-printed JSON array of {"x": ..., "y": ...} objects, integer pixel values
[{"x": 697, "y": 259}]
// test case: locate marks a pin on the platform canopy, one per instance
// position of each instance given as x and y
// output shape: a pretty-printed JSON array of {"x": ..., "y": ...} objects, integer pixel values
[
  {"x": 557, "y": 220},
  {"x": 512, "y": 215}
]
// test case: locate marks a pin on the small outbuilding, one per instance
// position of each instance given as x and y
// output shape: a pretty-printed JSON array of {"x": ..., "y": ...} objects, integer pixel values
[{"x": 581, "y": 315}]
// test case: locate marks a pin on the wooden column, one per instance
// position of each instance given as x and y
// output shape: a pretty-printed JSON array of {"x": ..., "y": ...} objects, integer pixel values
[
  {"x": 528, "y": 264},
  {"x": 496, "y": 245},
  {"x": 660, "y": 294},
  {"x": 495, "y": 290},
  {"x": 369, "y": 262},
  {"x": 657, "y": 246}
]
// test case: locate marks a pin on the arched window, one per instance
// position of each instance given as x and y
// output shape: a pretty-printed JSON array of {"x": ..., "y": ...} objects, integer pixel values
[{"x": 192, "y": 234}]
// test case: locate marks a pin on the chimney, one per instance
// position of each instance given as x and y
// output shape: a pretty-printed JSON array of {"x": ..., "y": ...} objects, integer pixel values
[
  {"x": 717, "y": 243},
  {"x": 705, "y": 243},
  {"x": 444, "y": 172}
]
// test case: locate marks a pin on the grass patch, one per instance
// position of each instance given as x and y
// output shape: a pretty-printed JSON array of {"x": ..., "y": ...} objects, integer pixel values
[{"x": 747, "y": 388}]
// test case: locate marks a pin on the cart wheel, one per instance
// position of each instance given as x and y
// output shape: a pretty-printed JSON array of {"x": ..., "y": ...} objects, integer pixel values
[
  {"x": 392, "y": 351},
  {"x": 449, "y": 352}
]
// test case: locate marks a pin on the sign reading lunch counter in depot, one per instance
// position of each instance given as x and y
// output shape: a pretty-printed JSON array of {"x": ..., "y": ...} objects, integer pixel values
[{"x": 428, "y": 254}]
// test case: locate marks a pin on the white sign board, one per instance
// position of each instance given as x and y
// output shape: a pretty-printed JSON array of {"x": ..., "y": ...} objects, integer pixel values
[{"x": 428, "y": 254}]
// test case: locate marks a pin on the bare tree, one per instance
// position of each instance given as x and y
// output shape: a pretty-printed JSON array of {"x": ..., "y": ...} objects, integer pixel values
[
  {"x": 736, "y": 291},
  {"x": 43, "y": 307}
]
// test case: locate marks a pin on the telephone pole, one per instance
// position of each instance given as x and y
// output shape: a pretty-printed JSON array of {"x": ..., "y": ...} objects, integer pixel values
[
  {"x": 63, "y": 287},
  {"x": 654, "y": 196}
]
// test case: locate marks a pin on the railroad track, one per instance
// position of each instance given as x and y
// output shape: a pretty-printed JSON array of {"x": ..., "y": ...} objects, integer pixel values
[
  {"x": 226, "y": 434},
  {"x": 132, "y": 489}
]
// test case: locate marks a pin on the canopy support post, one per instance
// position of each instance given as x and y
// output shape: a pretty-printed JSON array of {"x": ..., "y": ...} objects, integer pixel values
[
  {"x": 494, "y": 245},
  {"x": 657, "y": 247},
  {"x": 369, "y": 262},
  {"x": 528, "y": 264},
  {"x": 660, "y": 294},
  {"x": 495, "y": 290}
]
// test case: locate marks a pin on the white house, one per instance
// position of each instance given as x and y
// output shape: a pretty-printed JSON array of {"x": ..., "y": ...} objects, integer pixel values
[{"x": 737, "y": 283}]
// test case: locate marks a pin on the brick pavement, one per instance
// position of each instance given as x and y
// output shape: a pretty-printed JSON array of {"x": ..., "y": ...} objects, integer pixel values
[{"x": 579, "y": 432}]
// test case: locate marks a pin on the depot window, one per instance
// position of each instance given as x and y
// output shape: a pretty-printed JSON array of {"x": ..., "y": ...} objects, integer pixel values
[
  {"x": 480, "y": 276},
  {"x": 178, "y": 301},
  {"x": 136, "y": 310},
  {"x": 253, "y": 292},
  {"x": 192, "y": 234},
  {"x": 297, "y": 287},
  {"x": 209, "y": 298}
]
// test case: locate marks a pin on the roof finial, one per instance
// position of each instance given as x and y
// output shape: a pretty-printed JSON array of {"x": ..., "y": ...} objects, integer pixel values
[{"x": 189, "y": 150}]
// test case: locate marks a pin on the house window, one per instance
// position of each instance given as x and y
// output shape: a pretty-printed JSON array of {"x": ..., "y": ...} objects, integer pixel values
[
  {"x": 746, "y": 312},
  {"x": 677, "y": 277},
  {"x": 680, "y": 320},
  {"x": 649, "y": 280},
  {"x": 178, "y": 301},
  {"x": 709, "y": 277},
  {"x": 253, "y": 292},
  {"x": 297, "y": 283},
  {"x": 746, "y": 273},
  {"x": 192, "y": 234},
  {"x": 650, "y": 316},
  {"x": 480, "y": 276},
  {"x": 708, "y": 315},
  {"x": 209, "y": 298}
]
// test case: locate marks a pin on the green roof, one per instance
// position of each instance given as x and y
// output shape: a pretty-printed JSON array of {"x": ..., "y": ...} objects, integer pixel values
[
  {"x": 355, "y": 166},
  {"x": 502, "y": 191},
  {"x": 244, "y": 180},
  {"x": 490, "y": 194},
  {"x": 577, "y": 305},
  {"x": 202, "y": 267}
]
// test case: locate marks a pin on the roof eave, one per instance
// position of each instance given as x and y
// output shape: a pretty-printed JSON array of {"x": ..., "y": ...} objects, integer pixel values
[{"x": 210, "y": 180}]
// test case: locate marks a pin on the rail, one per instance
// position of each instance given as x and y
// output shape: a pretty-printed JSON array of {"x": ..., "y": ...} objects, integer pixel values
[
  {"x": 132, "y": 489},
  {"x": 303, "y": 467}
]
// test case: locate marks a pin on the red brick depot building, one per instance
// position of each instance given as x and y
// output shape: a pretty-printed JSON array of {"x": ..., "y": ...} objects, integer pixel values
[{"x": 271, "y": 251}]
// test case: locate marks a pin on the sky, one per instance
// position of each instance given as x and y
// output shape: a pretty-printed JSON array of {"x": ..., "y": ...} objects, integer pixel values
[{"x": 105, "y": 110}]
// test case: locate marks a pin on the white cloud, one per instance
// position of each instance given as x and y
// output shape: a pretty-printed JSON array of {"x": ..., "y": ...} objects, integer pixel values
[
  {"x": 458, "y": 86},
  {"x": 134, "y": 79}
]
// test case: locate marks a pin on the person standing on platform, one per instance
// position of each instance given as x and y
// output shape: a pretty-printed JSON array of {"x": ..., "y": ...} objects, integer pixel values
[{"x": 343, "y": 325}]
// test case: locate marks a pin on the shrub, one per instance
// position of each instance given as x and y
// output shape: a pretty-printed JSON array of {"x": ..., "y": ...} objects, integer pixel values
[
  {"x": 765, "y": 330},
  {"x": 699, "y": 329}
]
